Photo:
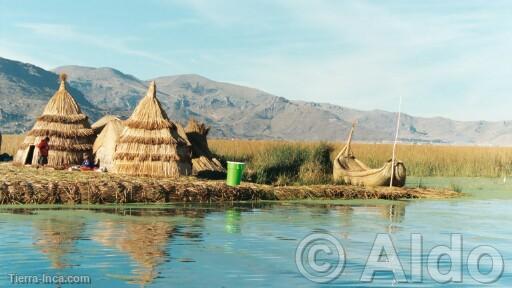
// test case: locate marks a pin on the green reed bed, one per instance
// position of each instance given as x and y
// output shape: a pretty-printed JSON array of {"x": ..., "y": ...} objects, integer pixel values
[{"x": 420, "y": 160}]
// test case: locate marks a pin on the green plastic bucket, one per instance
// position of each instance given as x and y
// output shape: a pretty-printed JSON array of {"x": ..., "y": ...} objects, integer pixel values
[{"x": 235, "y": 172}]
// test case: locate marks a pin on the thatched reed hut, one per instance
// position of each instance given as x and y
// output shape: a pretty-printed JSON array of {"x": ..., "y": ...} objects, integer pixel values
[
  {"x": 105, "y": 144},
  {"x": 150, "y": 145},
  {"x": 203, "y": 161},
  {"x": 98, "y": 126},
  {"x": 68, "y": 128}
]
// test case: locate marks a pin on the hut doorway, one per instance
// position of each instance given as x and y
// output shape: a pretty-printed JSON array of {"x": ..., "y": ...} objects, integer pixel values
[{"x": 30, "y": 155}]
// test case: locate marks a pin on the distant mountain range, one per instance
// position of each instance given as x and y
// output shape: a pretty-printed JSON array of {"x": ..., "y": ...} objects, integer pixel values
[{"x": 232, "y": 111}]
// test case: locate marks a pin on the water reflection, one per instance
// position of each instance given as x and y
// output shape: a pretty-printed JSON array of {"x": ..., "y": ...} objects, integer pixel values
[
  {"x": 233, "y": 218},
  {"x": 148, "y": 237},
  {"x": 145, "y": 235},
  {"x": 390, "y": 215},
  {"x": 56, "y": 238},
  {"x": 346, "y": 213},
  {"x": 394, "y": 214},
  {"x": 145, "y": 242}
]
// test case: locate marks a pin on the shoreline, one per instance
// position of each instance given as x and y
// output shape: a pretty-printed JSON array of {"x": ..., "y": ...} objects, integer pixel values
[{"x": 26, "y": 185}]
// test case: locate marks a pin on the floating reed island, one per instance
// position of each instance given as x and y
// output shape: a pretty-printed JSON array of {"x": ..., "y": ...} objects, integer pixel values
[
  {"x": 152, "y": 159},
  {"x": 22, "y": 185}
]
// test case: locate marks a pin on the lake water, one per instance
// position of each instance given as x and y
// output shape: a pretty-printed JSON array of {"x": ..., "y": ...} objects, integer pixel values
[{"x": 249, "y": 245}]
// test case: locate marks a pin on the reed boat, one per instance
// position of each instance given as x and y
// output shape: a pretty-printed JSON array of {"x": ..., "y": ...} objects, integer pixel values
[{"x": 350, "y": 170}]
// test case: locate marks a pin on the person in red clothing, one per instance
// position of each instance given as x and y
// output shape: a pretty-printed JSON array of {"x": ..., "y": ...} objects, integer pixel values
[{"x": 44, "y": 148}]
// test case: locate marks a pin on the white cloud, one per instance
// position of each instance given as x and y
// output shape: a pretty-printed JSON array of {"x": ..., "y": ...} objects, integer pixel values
[
  {"x": 443, "y": 63},
  {"x": 15, "y": 54},
  {"x": 30, "y": 53},
  {"x": 69, "y": 33},
  {"x": 174, "y": 23},
  {"x": 443, "y": 57}
]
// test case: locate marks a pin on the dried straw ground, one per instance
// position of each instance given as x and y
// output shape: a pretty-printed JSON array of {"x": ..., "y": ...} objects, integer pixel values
[{"x": 23, "y": 185}]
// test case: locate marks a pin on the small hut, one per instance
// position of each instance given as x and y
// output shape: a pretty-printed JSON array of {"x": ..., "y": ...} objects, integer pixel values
[
  {"x": 98, "y": 126},
  {"x": 68, "y": 128},
  {"x": 105, "y": 144},
  {"x": 203, "y": 161},
  {"x": 150, "y": 145}
]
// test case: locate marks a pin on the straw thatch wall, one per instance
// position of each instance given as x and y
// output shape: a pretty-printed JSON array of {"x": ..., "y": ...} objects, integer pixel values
[
  {"x": 203, "y": 161},
  {"x": 68, "y": 128},
  {"x": 150, "y": 145},
  {"x": 98, "y": 126},
  {"x": 105, "y": 145}
]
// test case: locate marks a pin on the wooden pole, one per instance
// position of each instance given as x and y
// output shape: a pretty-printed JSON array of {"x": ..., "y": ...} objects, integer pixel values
[{"x": 394, "y": 144}]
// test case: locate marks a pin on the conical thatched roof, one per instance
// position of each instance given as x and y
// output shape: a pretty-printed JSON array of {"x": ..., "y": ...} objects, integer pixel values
[
  {"x": 105, "y": 144},
  {"x": 150, "y": 145},
  {"x": 100, "y": 124},
  {"x": 203, "y": 161},
  {"x": 68, "y": 128}
]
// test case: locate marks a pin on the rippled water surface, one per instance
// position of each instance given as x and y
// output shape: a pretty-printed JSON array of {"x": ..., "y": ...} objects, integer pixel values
[{"x": 245, "y": 245}]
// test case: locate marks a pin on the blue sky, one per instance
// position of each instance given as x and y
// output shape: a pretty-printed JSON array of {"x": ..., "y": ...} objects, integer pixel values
[{"x": 446, "y": 58}]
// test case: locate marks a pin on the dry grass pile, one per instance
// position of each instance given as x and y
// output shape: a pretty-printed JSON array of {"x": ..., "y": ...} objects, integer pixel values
[
  {"x": 204, "y": 162},
  {"x": 21, "y": 185},
  {"x": 150, "y": 145}
]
